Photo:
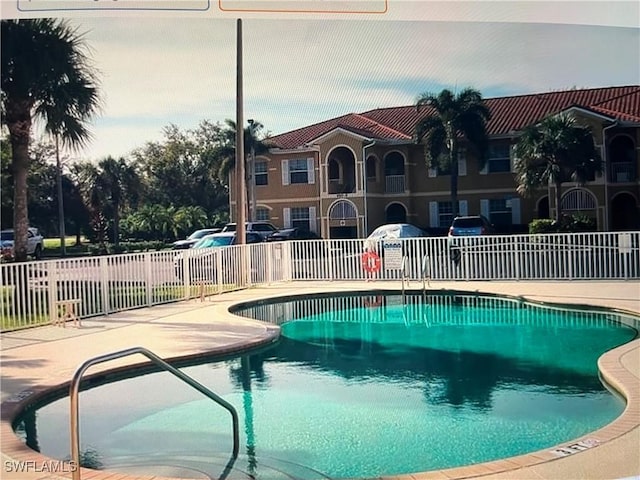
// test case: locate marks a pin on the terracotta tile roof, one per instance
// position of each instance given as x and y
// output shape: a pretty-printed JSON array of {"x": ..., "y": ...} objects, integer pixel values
[
  {"x": 508, "y": 114},
  {"x": 625, "y": 107}
]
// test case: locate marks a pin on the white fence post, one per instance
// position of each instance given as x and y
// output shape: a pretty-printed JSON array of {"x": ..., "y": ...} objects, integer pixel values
[
  {"x": 52, "y": 287},
  {"x": 148, "y": 279},
  {"x": 104, "y": 283}
]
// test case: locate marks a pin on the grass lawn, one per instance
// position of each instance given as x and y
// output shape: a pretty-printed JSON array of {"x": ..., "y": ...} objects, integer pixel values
[{"x": 52, "y": 247}]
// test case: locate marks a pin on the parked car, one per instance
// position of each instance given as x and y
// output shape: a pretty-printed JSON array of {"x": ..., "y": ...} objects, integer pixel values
[
  {"x": 467, "y": 226},
  {"x": 264, "y": 229},
  {"x": 470, "y": 226},
  {"x": 293, "y": 234},
  {"x": 35, "y": 243},
  {"x": 202, "y": 257},
  {"x": 192, "y": 239}
]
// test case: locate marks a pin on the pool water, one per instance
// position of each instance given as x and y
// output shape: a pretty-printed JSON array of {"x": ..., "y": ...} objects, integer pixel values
[{"x": 359, "y": 387}]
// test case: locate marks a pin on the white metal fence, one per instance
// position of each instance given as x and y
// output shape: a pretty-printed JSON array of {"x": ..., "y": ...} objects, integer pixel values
[{"x": 35, "y": 292}]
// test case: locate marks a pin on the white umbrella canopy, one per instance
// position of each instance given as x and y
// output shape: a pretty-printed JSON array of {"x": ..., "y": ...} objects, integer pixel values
[{"x": 392, "y": 231}]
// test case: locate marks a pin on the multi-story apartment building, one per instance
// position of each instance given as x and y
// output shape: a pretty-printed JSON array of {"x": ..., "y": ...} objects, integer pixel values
[{"x": 345, "y": 176}]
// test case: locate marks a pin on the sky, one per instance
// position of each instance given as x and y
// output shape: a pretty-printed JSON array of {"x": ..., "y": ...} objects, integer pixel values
[{"x": 160, "y": 71}]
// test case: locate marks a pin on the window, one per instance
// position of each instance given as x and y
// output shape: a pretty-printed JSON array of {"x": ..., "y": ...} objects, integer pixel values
[
  {"x": 260, "y": 173},
  {"x": 445, "y": 214},
  {"x": 300, "y": 218},
  {"x": 499, "y": 158},
  {"x": 445, "y": 169},
  {"x": 441, "y": 213},
  {"x": 298, "y": 171},
  {"x": 262, "y": 214},
  {"x": 499, "y": 212}
]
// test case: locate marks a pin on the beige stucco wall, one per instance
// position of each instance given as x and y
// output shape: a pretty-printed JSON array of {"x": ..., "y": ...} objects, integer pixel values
[{"x": 420, "y": 188}]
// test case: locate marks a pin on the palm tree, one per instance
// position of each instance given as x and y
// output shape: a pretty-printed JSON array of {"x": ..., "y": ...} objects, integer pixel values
[
  {"x": 552, "y": 152},
  {"x": 254, "y": 144},
  {"x": 454, "y": 117},
  {"x": 119, "y": 184},
  {"x": 188, "y": 218},
  {"x": 45, "y": 74},
  {"x": 156, "y": 219}
]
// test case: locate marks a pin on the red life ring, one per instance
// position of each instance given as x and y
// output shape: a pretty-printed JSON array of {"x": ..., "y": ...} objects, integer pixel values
[
  {"x": 370, "y": 262},
  {"x": 371, "y": 303}
]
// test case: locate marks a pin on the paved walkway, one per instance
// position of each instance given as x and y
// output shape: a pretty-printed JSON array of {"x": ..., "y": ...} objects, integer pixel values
[{"x": 37, "y": 359}]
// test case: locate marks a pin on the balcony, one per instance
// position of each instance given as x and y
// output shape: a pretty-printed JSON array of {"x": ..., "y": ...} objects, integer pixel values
[
  {"x": 335, "y": 187},
  {"x": 622, "y": 172},
  {"x": 394, "y": 184}
]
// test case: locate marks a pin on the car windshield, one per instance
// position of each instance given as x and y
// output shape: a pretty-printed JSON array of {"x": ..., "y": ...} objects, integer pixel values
[
  {"x": 6, "y": 235},
  {"x": 471, "y": 222},
  {"x": 199, "y": 234},
  {"x": 209, "y": 242}
]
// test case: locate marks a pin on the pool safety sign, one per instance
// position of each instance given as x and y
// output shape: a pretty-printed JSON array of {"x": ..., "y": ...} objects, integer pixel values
[{"x": 392, "y": 254}]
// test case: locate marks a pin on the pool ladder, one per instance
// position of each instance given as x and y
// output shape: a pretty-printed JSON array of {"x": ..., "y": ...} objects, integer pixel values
[
  {"x": 74, "y": 389},
  {"x": 426, "y": 277}
]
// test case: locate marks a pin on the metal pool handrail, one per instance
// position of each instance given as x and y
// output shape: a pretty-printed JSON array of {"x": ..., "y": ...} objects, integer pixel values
[
  {"x": 426, "y": 277},
  {"x": 75, "y": 387}
]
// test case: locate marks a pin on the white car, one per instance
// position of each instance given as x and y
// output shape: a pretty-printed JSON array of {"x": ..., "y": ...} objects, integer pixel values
[{"x": 35, "y": 243}]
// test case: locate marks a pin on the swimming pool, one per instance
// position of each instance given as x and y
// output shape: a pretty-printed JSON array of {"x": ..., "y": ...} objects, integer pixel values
[{"x": 361, "y": 385}]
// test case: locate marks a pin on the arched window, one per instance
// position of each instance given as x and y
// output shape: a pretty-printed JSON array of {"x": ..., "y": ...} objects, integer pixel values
[
  {"x": 342, "y": 210},
  {"x": 578, "y": 200}
]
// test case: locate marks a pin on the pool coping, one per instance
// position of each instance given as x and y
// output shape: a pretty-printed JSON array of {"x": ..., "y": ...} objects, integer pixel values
[{"x": 611, "y": 364}]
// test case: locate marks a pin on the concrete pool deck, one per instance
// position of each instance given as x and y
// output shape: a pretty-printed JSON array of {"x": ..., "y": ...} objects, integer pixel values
[{"x": 35, "y": 360}]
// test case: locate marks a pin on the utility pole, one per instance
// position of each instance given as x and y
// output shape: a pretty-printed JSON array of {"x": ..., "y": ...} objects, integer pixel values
[
  {"x": 241, "y": 191},
  {"x": 63, "y": 249},
  {"x": 252, "y": 173}
]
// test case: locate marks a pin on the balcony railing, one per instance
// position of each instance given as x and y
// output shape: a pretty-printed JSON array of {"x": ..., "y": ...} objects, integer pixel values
[
  {"x": 336, "y": 187},
  {"x": 622, "y": 172},
  {"x": 394, "y": 184}
]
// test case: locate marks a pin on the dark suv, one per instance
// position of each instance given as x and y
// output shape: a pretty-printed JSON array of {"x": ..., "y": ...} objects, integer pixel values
[{"x": 470, "y": 226}]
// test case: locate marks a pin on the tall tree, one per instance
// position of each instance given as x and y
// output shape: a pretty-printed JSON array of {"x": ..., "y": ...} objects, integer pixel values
[
  {"x": 45, "y": 73},
  {"x": 452, "y": 118},
  {"x": 555, "y": 151},
  {"x": 182, "y": 169},
  {"x": 255, "y": 143},
  {"x": 119, "y": 187}
]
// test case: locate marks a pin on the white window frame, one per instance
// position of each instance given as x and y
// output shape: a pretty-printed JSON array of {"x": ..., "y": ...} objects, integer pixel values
[
  {"x": 260, "y": 174},
  {"x": 306, "y": 222},
  {"x": 497, "y": 154},
  {"x": 287, "y": 172},
  {"x": 436, "y": 215}
]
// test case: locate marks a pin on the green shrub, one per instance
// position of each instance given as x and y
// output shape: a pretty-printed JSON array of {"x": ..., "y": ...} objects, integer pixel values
[
  {"x": 542, "y": 225},
  {"x": 568, "y": 224}
]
